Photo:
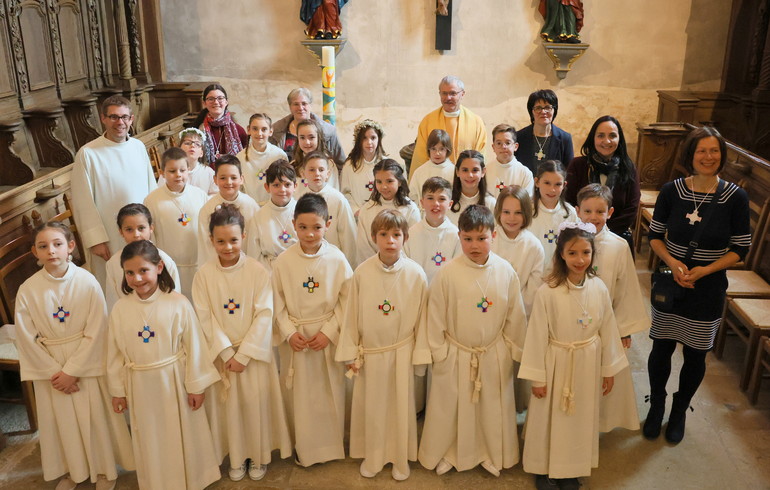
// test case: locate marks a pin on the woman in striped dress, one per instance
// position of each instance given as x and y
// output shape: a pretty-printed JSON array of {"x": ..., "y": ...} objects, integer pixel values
[{"x": 697, "y": 310}]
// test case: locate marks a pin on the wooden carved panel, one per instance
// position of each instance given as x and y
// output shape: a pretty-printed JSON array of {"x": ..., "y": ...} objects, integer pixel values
[
  {"x": 72, "y": 40},
  {"x": 17, "y": 44},
  {"x": 7, "y": 80},
  {"x": 37, "y": 53},
  {"x": 13, "y": 171},
  {"x": 44, "y": 125}
]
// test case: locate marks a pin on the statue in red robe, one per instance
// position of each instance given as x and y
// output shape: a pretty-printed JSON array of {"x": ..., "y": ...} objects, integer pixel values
[{"x": 322, "y": 18}]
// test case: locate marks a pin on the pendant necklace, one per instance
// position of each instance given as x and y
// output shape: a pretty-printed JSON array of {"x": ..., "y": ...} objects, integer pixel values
[
  {"x": 438, "y": 258},
  {"x": 485, "y": 302},
  {"x": 585, "y": 319},
  {"x": 285, "y": 236},
  {"x": 184, "y": 219},
  {"x": 694, "y": 217},
  {"x": 61, "y": 314},
  {"x": 311, "y": 284},
  {"x": 146, "y": 333},
  {"x": 386, "y": 307},
  {"x": 540, "y": 153}
]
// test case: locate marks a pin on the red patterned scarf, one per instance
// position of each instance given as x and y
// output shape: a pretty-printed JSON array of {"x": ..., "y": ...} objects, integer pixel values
[{"x": 228, "y": 143}]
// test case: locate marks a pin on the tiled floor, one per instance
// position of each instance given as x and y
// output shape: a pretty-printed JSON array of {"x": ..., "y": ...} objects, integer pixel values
[{"x": 727, "y": 446}]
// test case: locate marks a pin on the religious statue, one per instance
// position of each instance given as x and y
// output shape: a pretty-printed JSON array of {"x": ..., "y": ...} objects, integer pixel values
[
  {"x": 322, "y": 18},
  {"x": 442, "y": 7},
  {"x": 563, "y": 20}
]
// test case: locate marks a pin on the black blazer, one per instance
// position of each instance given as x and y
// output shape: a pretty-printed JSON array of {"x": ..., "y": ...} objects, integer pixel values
[{"x": 559, "y": 147}]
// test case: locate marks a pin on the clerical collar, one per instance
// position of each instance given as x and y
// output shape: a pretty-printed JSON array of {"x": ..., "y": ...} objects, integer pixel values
[{"x": 451, "y": 114}]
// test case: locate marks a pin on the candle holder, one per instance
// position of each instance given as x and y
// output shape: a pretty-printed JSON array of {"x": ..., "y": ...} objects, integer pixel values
[{"x": 316, "y": 45}]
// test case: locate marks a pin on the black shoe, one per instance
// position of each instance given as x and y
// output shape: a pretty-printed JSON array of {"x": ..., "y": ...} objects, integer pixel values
[
  {"x": 568, "y": 483},
  {"x": 651, "y": 427},
  {"x": 319, "y": 35},
  {"x": 542, "y": 482},
  {"x": 573, "y": 40},
  {"x": 328, "y": 35},
  {"x": 676, "y": 419}
]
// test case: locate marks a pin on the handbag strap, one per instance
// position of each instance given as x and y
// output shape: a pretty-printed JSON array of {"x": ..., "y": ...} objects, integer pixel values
[{"x": 706, "y": 218}]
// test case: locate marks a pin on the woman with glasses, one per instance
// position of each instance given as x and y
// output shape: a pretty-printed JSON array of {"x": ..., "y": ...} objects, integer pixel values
[
  {"x": 542, "y": 140},
  {"x": 223, "y": 135}
]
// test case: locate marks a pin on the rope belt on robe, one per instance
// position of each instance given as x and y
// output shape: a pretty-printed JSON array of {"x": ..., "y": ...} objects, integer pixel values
[
  {"x": 131, "y": 366},
  {"x": 476, "y": 353},
  {"x": 568, "y": 390},
  {"x": 223, "y": 375},
  {"x": 45, "y": 341},
  {"x": 362, "y": 351},
  {"x": 297, "y": 323}
]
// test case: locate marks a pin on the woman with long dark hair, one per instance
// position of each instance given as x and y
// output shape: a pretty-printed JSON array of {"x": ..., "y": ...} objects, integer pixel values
[{"x": 223, "y": 135}]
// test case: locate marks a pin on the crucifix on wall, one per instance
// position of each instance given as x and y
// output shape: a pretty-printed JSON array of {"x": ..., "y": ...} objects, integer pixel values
[{"x": 443, "y": 25}]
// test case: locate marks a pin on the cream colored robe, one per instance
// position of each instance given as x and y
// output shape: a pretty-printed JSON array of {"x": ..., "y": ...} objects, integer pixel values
[
  {"x": 365, "y": 246},
  {"x": 246, "y": 205},
  {"x": 357, "y": 185},
  {"x": 559, "y": 444},
  {"x": 383, "y": 424},
  {"x": 464, "y": 432},
  {"x": 500, "y": 175},
  {"x": 172, "y": 443},
  {"x": 432, "y": 247},
  {"x": 429, "y": 169},
  {"x": 465, "y": 201},
  {"x": 79, "y": 433},
  {"x": 315, "y": 395},
  {"x": 254, "y": 168},
  {"x": 471, "y": 134},
  {"x": 614, "y": 265},
  {"x": 271, "y": 232},
  {"x": 235, "y": 308},
  {"x": 114, "y": 286},
  {"x": 175, "y": 216},
  {"x": 545, "y": 226},
  {"x": 525, "y": 254}
]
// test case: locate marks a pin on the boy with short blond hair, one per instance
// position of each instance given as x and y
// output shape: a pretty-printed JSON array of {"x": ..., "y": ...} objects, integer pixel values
[{"x": 506, "y": 171}]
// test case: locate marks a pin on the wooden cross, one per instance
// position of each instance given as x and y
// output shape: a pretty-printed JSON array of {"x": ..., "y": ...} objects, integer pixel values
[{"x": 443, "y": 25}]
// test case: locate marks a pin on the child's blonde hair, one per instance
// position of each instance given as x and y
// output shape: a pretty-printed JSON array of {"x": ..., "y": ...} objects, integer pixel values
[
  {"x": 525, "y": 202},
  {"x": 388, "y": 219}
]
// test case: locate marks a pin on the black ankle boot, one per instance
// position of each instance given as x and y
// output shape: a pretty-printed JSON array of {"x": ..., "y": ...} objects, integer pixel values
[
  {"x": 676, "y": 419},
  {"x": 652, "y": 424}
]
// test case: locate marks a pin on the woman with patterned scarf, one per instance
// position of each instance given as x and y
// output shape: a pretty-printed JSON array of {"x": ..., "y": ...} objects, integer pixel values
[
  {"x": 605, "y": 161},
  {"x": 223, "y": 135}
]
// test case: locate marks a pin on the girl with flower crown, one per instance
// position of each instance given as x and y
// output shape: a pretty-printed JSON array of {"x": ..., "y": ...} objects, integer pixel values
[
  {"x": 357, "y": 182},
  {"x": 192, "y": 141},
  {"x": 571, "y": 353}
]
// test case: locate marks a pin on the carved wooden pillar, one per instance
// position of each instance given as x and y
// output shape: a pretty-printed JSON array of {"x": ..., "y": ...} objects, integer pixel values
[
  {"x": 43, "y": 125},
  {"x": 656, "y": 150},
  {"x": 13, "y": 170},
  {"x": 124, "y": 47},
  {"x": 81, "y": 113}
]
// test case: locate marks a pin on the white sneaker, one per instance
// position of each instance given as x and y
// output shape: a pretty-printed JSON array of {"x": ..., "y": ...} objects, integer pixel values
[
  {"x": 443, "y": 466},
  {"x": 397, "y": 475},
  {"x": 66, "y": 483},
  {"x": 487, "y": 465},
  {"x": 237, "y": 474},
  {"x": 364, "y": 472},
  {"x": 257, "y": 472},
  {"x": 102, "y": 483}
]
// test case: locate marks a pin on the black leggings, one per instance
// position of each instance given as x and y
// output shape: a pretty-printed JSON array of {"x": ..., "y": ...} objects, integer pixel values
[{"x": 659, "y": 368}]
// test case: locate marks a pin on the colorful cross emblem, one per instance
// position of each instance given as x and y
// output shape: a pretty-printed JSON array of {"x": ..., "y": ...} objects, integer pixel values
[
  {"x": 585, "y": 321},
  {"x": 146, "y": 334},
  {"x": 231, "y": 306},
  {"x": 310, "y": 284},
  {"x": 304, "y": 182},
  {"x": 285, "y": 236},
  {"x": 261, "y": 175},
  {"x": 369, "y": 186},
  {"x": 61, "y": 314},
  {"x": 484, "y": 304},
  {"x": 550, "y": 236},
  {"x": 386, "y": 307},
  {"x": 438, "y": 259},
  {"x": 184, "y": 219},
  {"x": 500, "y": 185}
]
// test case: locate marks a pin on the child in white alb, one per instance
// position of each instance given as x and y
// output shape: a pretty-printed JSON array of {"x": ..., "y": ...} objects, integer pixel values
[
  {"x": 357, "y": 180},
  {"x": 257, "y": 157},
  {"x": 506, "y": 171},
  {"x": 469, "y": 185},
  {"x": 191, "y": 140},
  {"x": 439, "y": 148}
]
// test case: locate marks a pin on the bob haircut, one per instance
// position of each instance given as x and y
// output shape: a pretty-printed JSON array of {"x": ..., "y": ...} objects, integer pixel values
[
  {"x": 148, "y": 252},
  {"x": 519, "y": 193},
  {"x": 691, "y": 142},
  {"x": 546, "y": 95}
]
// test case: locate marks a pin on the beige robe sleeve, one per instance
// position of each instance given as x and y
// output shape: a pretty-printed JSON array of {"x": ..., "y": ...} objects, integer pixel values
[
  {"x": 256, "y": 344},
  {"x": 284, "y": 327},
  {"x": 332, "y": 327},
  {"x": 536, "y": 342},
  {"x": 437, "y": 318},
  {"x": 201, "y": 372},
  {"x": 218, "y": 342},
  {"x": 88, "y": 358},
  {"x": 90, "y": 226},
  {"x": 35, "y": 361},
  {"x": 116, "y": 373},
  {"x": 613, "y": 355},
  {"x": 350, "y": 330}
]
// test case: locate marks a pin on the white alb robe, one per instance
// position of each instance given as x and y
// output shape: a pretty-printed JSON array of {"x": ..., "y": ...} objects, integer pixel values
[
  {"x": 201, "y": 176},
  {"x": 342, "y": 232},
  {"x": 545, "y": 226},
  {"x": 79, "y": 433},
  {"x": 246, "y": 205},
  {"x": 558, "y": 443},
  {"x": 156, "y": 355},
  {"x": 432, "y": 247},
  {"x": 175, "y": 216},
  {"x": 525, "y": 254},
  {"x": 254, "y": 168},
  {"x": 235, "y": 308},
  {"x": 105, "y": 177},
  {"x": 114, "y": 285},
  {"x": 365, "y": 246},
  {"x": 308, "y": 292},
  {"x": 466, "y": 201},
  {"x": 457, "y": 428},
  {"x": 446, "y": 169},
  {"x": 614, "y": 265},
  {"x": 357, "y": 185},
  {"x": 500, "y": 175},
  {"x": 271, "y": 232}
]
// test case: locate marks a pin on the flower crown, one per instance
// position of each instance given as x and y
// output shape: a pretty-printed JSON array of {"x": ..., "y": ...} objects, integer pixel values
[
  {"x": 587, "y": 227},
  {"x": 192, "y": 130},
  {"x": 367, "y": 123}
]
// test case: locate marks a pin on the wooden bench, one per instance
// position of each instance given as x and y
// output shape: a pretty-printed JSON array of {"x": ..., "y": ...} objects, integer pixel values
[{"x": 761, "y": 364}]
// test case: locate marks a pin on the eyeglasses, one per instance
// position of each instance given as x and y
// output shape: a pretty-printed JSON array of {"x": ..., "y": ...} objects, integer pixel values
[
  {"x": 219, "y": 99},
  {"x": 194, "y": 144},
  {"x": 450, "y": 94},
  {"x": 125, "y": 118},
  {"x": 540, "y": 108},
  {"x": 503, "y": 144}
]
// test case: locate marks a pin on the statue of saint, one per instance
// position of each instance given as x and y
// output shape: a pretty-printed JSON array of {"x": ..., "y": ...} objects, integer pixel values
[
  {"x": 322, "y": 18},
  {"x": 563, "y": 20}
]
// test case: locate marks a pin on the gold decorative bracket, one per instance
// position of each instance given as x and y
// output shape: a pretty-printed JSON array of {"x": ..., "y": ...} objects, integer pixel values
[{"x": 563, "y": 56}]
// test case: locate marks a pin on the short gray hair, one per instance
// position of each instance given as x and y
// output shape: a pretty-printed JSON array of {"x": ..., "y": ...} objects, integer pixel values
[
  {"x": 299, "y": 91},
  {"x": 451, "y": 80}
]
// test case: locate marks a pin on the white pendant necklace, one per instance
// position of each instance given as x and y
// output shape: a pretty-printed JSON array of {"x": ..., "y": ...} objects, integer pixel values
[
  {"x": 61, "y": 314},
  {"x": 387, "y": 307},
  {"x": 485, "y": 304},
  {"x": 694, "y": 217},
  {"x": 540, "y": 153},
  {"x": 584, "y": 320},
  {"x": 311, "y": 284}
]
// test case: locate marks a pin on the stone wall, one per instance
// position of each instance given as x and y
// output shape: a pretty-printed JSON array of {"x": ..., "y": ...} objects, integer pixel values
[{"x": 389, "y": 71}]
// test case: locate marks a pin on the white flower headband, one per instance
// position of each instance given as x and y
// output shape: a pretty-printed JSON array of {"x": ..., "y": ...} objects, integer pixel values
[
  {"x": 192, "y": 130},
  {"x": 367, "y": 123},
  {"x": 588, "y": 227}
]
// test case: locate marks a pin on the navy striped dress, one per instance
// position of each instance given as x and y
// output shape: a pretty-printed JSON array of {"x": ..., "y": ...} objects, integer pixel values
[{"x": 698, "y": 312}]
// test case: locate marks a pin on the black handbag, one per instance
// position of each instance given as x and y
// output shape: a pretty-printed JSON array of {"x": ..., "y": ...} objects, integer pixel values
[{"x": 665, "y": 291}]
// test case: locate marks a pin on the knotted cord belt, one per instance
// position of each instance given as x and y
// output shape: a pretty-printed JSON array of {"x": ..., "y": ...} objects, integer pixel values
[
  {"x": 568, "y": 390},
  {"x": 223, "y": 375},
  {"x": 297, "y": 323},
  {"x": 476, "y": 353},
  {"x": 362, "y": 351},
  {"x": 131, "y": 366},
  {"x": 44, "y": 341}
]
